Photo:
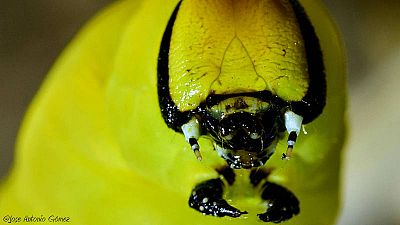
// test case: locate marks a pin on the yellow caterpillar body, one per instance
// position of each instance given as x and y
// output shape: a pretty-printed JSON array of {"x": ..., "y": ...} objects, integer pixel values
[{"x": 94, "y": 147}]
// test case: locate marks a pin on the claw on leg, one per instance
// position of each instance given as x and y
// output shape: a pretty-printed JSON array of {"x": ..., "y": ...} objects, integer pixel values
[{"x": 207, "y": 199}]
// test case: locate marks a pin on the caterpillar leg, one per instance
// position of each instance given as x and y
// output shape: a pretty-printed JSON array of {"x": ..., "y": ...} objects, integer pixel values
[
  {"x": 282, "y": 204},
  {"x": 207, "y": 197}
]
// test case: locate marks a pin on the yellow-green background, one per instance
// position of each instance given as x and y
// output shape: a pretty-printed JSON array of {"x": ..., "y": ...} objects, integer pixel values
[{"x": 33, "y": 32}]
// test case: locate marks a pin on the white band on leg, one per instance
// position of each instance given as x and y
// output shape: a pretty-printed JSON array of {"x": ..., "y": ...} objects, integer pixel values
[{"x": 293, "y": 122}]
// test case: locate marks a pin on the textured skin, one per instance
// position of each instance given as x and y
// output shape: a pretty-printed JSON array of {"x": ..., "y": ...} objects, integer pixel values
[
  {"x": 228, "y": 46},
  {"x": 94, "y": 147}
]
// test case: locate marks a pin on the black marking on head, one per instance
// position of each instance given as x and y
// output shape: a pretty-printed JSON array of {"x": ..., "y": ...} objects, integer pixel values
[
  {"x": 240, "y": 104},
  {"x": 313, "y": 102},
  {"x": 239, "y": 126},
  {"x": 170, "y": 112}
]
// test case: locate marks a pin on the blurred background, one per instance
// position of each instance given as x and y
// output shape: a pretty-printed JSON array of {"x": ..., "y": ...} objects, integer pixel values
[{"x": 33, "y": 33}]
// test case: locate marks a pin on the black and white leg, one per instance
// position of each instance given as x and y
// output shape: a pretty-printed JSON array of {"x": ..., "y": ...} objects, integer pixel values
[
  {"x": 191, "y": 130},
  {"x": 293, "y": 124}
]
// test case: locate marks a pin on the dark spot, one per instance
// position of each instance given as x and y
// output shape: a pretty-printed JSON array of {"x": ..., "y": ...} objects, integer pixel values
[
  {"x": 240, "y": 104},
  {"x": 203, "y": 75},
  {"x": 257, "y": 175},
  {"x": 227, "y": 173}
]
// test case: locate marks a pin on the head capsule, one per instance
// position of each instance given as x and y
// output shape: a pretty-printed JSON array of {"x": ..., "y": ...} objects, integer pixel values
[{"x": 244, "y": 129}]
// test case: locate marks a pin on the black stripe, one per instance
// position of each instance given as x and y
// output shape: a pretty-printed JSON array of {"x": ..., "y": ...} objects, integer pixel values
[
  {"x": 170, "y": 112},
  {"x": 292, "y": 136},
  {"x": 313, "y": 102}
]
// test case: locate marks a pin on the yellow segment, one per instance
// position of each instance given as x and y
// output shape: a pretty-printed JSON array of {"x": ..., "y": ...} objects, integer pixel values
[
  {"x": 227, "y": 46},
  {"x": 94, "y": 147}
]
